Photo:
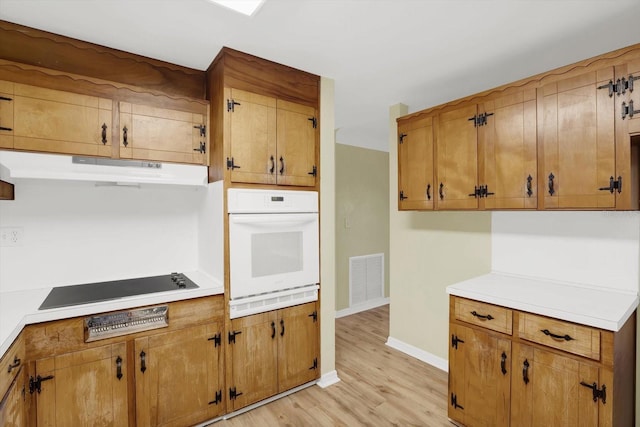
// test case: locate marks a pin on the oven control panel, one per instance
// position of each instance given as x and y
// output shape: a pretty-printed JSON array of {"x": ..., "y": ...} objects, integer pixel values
[{"x": 119, "y": 323}]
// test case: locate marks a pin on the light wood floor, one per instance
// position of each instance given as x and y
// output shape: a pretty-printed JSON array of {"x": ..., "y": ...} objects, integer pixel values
[{"x": 379, "y": 386}]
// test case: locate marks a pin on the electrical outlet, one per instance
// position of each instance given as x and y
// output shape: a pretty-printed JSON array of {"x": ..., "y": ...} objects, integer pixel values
[{"x": 11, "y": 236}]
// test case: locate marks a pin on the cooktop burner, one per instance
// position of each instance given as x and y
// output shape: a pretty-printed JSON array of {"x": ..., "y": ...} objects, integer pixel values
[{"x": 65, "y": 296}]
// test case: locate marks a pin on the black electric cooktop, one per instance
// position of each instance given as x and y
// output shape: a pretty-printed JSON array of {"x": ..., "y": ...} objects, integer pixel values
[{"x": 65, "y": 296}]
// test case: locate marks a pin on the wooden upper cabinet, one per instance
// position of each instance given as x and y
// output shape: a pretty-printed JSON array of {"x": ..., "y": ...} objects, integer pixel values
[
  {"x": 252, "y": 136},
  {"x": 271, "y": 141},
  {"x": 161, "y": 134},
  {"x": 576, "y": 131},
  {"x": 507, "y": 151},
  {"x": 83, "y": 388},
  {"x": 179, "y": 376},
  {"x": 416, "y": 189},
  {"x": 39, "y": 119},
  {"x": 296, "y": 151},
  {"x": 457, "y": 158}
]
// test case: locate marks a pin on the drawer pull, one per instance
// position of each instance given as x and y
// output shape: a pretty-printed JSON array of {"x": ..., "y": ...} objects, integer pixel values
[
  {"x": 558, "y": 337},
  {"x": 15, "y": 364},
  {"x": 482, "y": 316},
  {"x": 503, "y": 363},
  {"x": 525, "y": 371}
]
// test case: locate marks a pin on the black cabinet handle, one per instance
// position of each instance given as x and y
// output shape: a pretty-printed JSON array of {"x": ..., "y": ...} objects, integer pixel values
[
  {"x": 503, "y": 363},
  {"x": 551, "y": 189},
  {"x": 104, "y": 133},
  {"x": 15, "y": 364},
  {"x": 119, "y": 367},
  {"x": 282, "y": 327},
  {"x": 558, "y": 337},
  {"x": 525, "y": 371},
  {"x": 482, "y": 316},
  {"x": 281, "y": 165},
  {"x": 4, "y": 98},
  {"x": 125, "y": 141},
  {"x": 441, "y": 192},
  {"x": 428, "y": 191},
  {"x": 273, "y": 330},
  {"x": 273, "y": 165},
  {"x": 529, "y": 186},
  {"x": 143, "y": 361}
]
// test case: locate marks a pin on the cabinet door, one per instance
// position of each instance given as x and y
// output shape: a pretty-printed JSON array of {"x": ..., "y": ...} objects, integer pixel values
[
  {"x": 58, "y": 122},
  {"x": 547, "y": 390},
  {"x": 12, "y": 405},
  {"x": 457, "y": 159},
  {"x": 160, "y": 134},
  {"x": 296, "y": 141},
  {"x": 297, "y": 346},
  {"x": 85, "y": 388},
  {"x": 177, "y": 377},
  {"x": 577, "y": 141},
  {"x": 507, "y": 145},
  {"x": 6, "y": 114},
  {"x": 252, "y": 137},
  {"x": 415, "y": 164},
  {"x": 479, "y": 377},
  {"x": 254, "y": 359}
]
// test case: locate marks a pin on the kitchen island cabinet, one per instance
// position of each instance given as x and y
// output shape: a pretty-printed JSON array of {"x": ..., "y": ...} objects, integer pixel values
[
  {"x": 271, "y": 353},
  {"x": 524, "y": 363}
]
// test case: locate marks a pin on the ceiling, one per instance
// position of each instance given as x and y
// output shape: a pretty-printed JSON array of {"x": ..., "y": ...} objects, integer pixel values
[{"x": 379, "y": 52}]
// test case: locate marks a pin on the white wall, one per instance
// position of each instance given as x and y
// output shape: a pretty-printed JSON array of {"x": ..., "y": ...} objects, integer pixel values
[{"x": 75, "y": 232}]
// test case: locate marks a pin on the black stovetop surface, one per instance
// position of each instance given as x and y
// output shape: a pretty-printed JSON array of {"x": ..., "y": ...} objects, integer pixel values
[{"x": 65, "y": 296}]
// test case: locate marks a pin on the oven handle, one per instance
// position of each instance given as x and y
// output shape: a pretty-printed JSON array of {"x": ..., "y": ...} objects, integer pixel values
[{"x": 270, "y": 219}]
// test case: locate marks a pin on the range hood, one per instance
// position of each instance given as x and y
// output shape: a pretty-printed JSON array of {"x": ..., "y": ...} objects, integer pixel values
[{"x": 17, "y": 165}]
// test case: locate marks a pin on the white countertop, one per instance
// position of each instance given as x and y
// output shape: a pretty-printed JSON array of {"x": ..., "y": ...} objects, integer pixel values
[
  {"x": 598, "y": 307},
  {"x": 20, "y": 308}
]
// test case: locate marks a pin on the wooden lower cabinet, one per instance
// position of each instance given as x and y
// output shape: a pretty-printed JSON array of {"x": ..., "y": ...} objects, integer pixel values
[
  {"x": 178, "y": 377},
  {"x": 529, "y": 374},
  {"x": 82, "y": 388},
  {"x": 271, "y": 353},
  {"x": 13, "y": 404}
]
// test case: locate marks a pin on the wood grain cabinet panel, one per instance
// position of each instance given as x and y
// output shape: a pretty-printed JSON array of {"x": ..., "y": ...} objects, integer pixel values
[
  {"x": 271, "y": 141},
  {"x": 11, "y": 362},
  {"x": 161, "y": 134},
  {"x": 576, "y": 128},
  {"x": 416, "y": 188},
  {"x": 178, "y": 376},
  {"x": 54, "y": 121},
  {"x": 13, "y": 404},
  {"x": 272, "y": 352},
  {"x": 457, "y": 158},
  {"x": 83, "y": 388}
]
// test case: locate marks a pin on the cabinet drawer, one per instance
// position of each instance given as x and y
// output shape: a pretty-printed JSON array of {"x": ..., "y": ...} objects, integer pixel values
[
  {"x": 10, "y": 364},
  {"x": 482, "y": 314},
  {"x": 569, "y": 337}
]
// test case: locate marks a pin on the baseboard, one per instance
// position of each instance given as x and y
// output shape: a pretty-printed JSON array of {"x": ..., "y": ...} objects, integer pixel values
[
  {"x": 362, "y": 307},
  {"x": 330, "y": 378},
  {"x": 419, "y": 354}
]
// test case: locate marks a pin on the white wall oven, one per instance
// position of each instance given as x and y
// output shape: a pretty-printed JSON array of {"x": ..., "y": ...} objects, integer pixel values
[{"x": 273, "y": 249}]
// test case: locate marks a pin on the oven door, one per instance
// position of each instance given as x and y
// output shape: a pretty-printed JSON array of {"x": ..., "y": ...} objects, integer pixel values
[{"x": 272, "y": 252}]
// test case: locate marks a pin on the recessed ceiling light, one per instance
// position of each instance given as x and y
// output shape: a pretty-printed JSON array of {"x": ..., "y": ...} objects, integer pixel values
[{"x": 246, "y": 7}]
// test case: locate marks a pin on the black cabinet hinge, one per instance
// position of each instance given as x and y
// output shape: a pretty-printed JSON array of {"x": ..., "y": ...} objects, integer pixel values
[
  {"x": 597, "y": 393},
  {"x": 35, "y": 384},
  {"x": 232, "y": 336},
  {"x": 315, "y": 364},
  {"x": 402, "y": 196},
  {"x": 401, "y": 138},
  {"x": 454, "y": 402},
  {"x": 314, "y": 315},
  {"x": 314, "y": 121},
  {"x": 455, "y": 340},
  {"x": 620, "y": 86},
  {"x": 218, "y": 398},
  {"x": 231, "y": 165},
  {"x": 233, "y": 394},
  {"x": 480, "y": 119},
  {"x": 203, "y": 130},
  {"x": 613, "y": 185},
  {"x": 231, "y": 104},
  {"x": 202, "y": 148},
  {"x": 217, "y": 339},
  {"x": 628, "y": 110},
  {"x": 314, "y": 171}
]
